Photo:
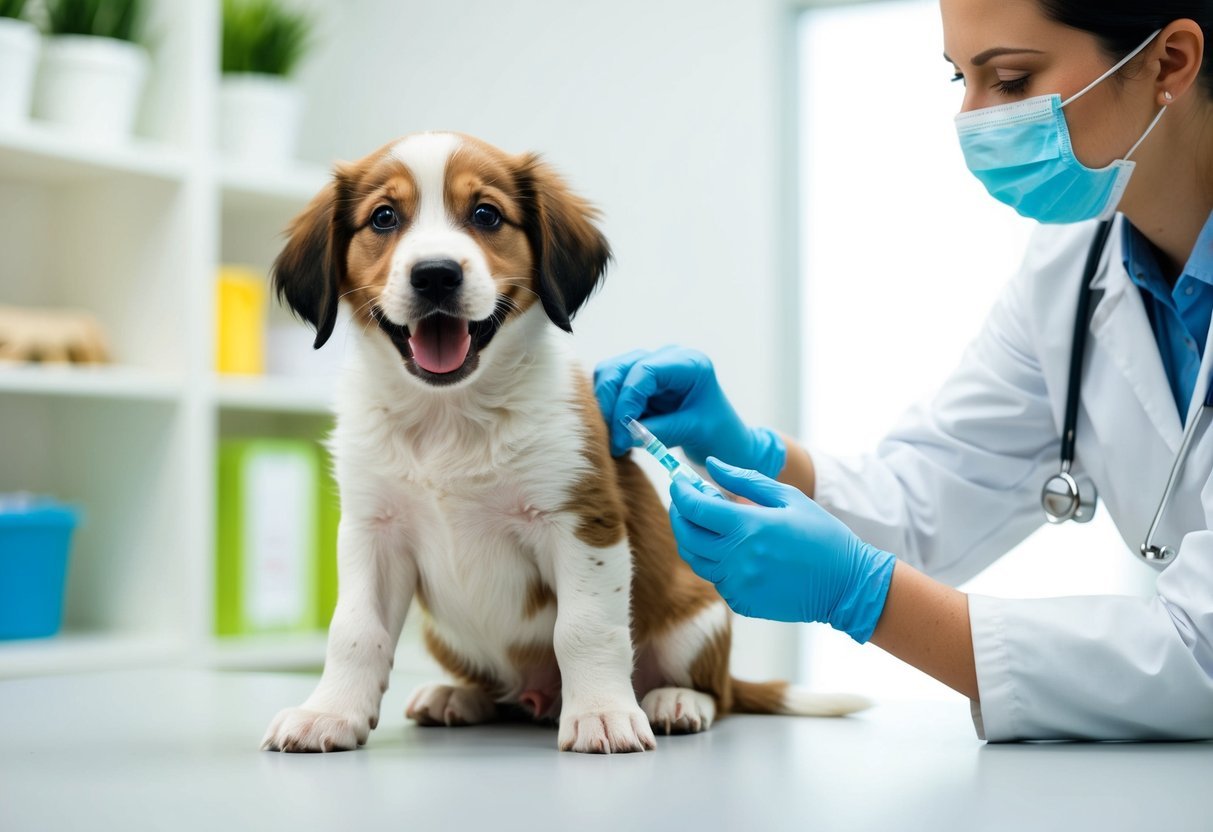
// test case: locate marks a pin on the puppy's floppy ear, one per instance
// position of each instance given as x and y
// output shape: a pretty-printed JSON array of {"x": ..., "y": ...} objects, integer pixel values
[
  {"x": 570, "y": 252},
  {"x": 311, "y": 268}
]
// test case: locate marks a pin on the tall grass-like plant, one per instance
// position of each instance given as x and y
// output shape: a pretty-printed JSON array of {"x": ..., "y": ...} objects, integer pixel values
[
  {"x": 12, "y": 8},
  {"x": 263, "y": 36},
  {"x": 116, "y": 19}
]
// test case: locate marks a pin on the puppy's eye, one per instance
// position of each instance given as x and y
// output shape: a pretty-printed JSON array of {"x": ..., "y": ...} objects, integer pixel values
[
  {"x": 384, "y": 218},
  {"x": 486, "y": 216}
]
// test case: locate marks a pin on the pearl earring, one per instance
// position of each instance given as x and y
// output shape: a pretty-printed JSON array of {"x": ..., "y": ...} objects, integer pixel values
[{"x": 1167, "y": 95}]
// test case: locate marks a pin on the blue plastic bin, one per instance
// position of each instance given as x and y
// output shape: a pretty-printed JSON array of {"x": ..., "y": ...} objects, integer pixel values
[{"x": 35, "y": 537}]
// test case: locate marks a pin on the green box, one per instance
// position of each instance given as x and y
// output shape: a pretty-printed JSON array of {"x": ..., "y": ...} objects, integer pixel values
[
  {"x": 329, "y": 516},
  {"x": 268, "y": 576}
]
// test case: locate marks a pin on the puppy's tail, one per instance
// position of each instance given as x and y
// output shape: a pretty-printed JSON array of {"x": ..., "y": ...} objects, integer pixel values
[{"x": 782, "y": 698}]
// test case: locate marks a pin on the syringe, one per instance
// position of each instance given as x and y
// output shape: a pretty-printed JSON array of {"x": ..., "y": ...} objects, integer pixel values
[{"x": 661, "y": 453}]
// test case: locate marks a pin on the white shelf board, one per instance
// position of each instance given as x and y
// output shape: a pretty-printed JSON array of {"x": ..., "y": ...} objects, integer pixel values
[
  {"x": 274, "y": 395},
  {"x": 289, "y": 651},
  {"x": 302, "y": 651},
  {"x": 76, "y": 652},
  {"x": 103, "y": 381},
  {"x": 40, "y": 153},
  {"x": 288, "y": 189}
]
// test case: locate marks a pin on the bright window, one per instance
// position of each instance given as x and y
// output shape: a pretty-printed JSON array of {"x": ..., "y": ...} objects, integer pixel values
[{"x": 902, "y": 255}]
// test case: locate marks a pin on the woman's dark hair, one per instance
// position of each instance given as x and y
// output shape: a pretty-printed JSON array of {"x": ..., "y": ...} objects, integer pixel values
[{"x": 1121, "y": 25}]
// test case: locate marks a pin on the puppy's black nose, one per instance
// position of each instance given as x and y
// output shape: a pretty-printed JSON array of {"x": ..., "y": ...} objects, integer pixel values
[{"x": 436, "y": 280}]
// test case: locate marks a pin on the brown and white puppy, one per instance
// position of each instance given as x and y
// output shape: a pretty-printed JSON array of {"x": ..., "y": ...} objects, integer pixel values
[{"x": 475, "y": 474}]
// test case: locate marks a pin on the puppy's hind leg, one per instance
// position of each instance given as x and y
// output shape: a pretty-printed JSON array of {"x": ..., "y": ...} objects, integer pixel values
[
  {"x": 679, "y": 710},
  {"x": 693, "y": 659},
  {"x": 694, "y": 655},
  {"x": 450, "y": 705}
]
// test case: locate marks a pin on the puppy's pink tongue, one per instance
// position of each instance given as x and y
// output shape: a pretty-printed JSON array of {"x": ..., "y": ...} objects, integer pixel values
[{"x": 440, "y": 343}]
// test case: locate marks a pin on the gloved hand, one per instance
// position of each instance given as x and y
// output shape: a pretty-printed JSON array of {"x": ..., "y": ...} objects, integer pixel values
[
  {"x": 785, "y": 559},
  {"x": 674, "y": 392}
]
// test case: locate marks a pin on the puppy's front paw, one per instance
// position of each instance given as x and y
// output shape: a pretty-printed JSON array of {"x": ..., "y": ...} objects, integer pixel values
[
  {"x": 606, "y": 732},
  {"x": 301, "y": 729}
]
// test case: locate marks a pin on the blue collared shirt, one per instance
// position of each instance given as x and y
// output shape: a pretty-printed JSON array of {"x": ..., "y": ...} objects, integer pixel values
[{"x": 1179, "y": 316}]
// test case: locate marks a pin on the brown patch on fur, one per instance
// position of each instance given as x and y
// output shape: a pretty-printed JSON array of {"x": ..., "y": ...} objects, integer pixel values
[
  {"x": 422, "y": 595},
  {"x": 460, "y": 666},
  {"x": 531, "y": 655},
  {"x": 710, "y": 670},
  {"x": 479, "y": 174},
  {"x": 664, "y": 589},
  {"x": 758, "y": 697},
  {"x": 332, "y": 253},
  {"x": 571, "y": 255},
  {"x": 384, "y": 181},
  {"x": 596, "y": 498},
  {"x": 538, "y": 597}
]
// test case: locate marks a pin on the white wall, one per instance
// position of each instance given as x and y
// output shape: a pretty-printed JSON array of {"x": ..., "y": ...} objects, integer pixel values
[{"x": 667, "y": 115}]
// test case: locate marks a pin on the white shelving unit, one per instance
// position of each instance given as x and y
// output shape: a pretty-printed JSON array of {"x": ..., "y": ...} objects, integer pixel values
[
  {"x": 135, "y": 235},
  {"x": 272, "y": 395},
  {"x": 43, "y": 155},
  {"x": 290, "y": 652},
  {"x": 104, "y": 382}
]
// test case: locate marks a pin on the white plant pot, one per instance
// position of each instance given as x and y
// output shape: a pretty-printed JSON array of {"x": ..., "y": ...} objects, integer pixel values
[
  {"x": 19, "y": 42},
  {"x": 258, "y": 118},
  {"x": 91, "y": 85}
]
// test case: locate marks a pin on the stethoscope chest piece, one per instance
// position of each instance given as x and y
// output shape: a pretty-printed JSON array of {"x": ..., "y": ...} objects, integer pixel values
[
  {"x": 1063, "y": 499},
  {"x": 1159, "y": 555}
]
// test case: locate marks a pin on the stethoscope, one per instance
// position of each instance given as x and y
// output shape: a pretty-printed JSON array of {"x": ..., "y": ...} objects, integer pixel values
[{"x": 1061, "y": 497}]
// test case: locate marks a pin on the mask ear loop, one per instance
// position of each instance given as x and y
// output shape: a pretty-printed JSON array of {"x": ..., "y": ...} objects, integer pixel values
[
  {"x": 1149, "y": 130},
  {"x": 1111, "y": 71}
]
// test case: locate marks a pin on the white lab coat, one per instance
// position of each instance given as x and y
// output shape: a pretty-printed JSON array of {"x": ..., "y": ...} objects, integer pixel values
[{"x": 957, "y": 484}]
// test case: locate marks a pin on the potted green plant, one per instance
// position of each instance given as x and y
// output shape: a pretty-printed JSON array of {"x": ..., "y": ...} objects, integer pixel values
[
  {"x": 259, "y": 104},
  {"x": 93, "y": 70},
  {"x": 18, "y": 57}
]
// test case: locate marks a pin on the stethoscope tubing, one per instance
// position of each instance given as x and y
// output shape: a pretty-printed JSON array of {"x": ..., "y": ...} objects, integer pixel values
[
  {"x": 1151, "y": 553},
  {"x": 1078, "y": 348}
]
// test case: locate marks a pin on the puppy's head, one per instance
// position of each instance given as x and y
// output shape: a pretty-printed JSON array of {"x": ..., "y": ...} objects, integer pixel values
[{"x": 438, "y": 241}]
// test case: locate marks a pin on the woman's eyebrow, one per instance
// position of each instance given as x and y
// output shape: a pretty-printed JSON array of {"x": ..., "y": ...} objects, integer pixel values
[{"x": 984, "y": 57}]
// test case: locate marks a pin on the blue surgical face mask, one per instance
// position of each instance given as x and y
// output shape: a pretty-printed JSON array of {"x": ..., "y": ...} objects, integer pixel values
[{"x": 1021, "y": 152}]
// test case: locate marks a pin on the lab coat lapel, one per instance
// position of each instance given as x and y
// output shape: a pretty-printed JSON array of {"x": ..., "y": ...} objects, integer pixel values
[
  {"x": 1201, "y": 391},
  {"x": 1121, "y": 329}
]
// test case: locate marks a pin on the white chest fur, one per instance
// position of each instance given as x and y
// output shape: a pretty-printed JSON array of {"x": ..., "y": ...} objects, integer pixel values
[{"x": 468, "y": 483}]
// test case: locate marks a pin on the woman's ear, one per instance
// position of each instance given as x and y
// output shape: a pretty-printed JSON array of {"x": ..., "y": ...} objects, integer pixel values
[
  {"x": 1183, "y": 43},
  {"x": 310, "y": 270},
  {"x": 571, "y": 255}
]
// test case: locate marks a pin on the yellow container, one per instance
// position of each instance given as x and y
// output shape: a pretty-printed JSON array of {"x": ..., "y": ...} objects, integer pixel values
[{"x": 240, "y": 297}]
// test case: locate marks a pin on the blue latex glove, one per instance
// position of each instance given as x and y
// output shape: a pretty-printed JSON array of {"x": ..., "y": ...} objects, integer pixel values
[
  {"x": 674, "y": 391},
  {"x": 786, "y": 558}
]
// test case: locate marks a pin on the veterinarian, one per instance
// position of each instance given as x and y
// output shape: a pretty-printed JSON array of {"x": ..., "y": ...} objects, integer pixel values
[{"x": 1090, "y": 377}]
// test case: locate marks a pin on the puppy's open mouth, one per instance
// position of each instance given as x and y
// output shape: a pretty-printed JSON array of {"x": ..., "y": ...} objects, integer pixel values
[
  {"x": 440, "y": 349},
  {"x": 440, "y": 344}
]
